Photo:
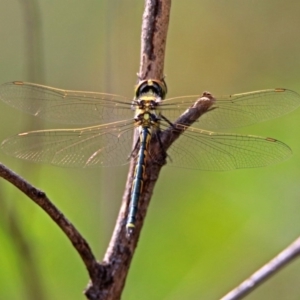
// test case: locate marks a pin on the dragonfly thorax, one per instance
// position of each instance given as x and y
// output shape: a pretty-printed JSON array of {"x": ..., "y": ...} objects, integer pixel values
[{"x": 146, "y": 118}]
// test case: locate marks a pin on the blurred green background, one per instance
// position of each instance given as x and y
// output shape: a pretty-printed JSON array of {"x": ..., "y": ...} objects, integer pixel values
[{"x": 205, "y": 232}]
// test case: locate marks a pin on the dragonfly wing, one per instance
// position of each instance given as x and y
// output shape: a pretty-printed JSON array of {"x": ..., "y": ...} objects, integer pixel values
[
  {"x": 239, "y": 109},
  {"x": 107, "y": 145},
  {"x": 63, "y": 106},
  {"x": 205, "y": 150}
]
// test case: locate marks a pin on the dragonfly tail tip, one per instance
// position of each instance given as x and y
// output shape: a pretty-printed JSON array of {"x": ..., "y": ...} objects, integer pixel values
[{"x": 130, "y": 229}]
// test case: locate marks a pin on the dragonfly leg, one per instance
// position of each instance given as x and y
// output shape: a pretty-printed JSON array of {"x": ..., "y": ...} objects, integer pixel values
[
  {"x": 135, "y": 148},
  {"x": 162, "y": 158},
  {"x": 167, "y": 120}
]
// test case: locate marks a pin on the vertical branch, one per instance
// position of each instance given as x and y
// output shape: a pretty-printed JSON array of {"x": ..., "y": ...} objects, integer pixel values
[
  {"x": 154, "y": 35},
  {"x": 120, "y": 251},
  {"x": 115, "y": 266}
]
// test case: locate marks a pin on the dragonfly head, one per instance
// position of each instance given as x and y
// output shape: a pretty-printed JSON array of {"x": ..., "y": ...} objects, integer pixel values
[{"x": 153, "y": 86}]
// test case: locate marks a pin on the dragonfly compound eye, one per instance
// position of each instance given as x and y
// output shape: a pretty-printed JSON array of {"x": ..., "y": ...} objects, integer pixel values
[{"x": 153, "y": 86}]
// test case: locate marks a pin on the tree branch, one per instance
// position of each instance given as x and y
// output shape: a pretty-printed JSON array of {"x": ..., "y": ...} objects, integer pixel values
[
  {"x": 153, "y": 39},
  {"x": 260, "y": 276},
  {"x": 43, "y": 201},
  {"x": 120, "y": 251}
]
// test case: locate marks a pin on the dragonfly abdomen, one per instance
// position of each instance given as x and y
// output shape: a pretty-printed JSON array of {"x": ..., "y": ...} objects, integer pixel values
[{"x": 139, "y": 175}]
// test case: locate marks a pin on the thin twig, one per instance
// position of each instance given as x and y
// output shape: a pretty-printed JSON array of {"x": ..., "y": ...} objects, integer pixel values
[
  {"x": 44, "y": 202},
  {"x": 260, "y": 276}
]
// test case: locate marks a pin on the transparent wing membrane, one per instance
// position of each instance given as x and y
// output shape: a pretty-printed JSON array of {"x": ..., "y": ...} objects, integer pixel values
[
  {"x": 239, "y": 109},
  {"x": 76, "y": 107},
  {"x": 106, "y": 145},
  {"x": 205, "y": 150},
  {"x": 63, "y": 106}
]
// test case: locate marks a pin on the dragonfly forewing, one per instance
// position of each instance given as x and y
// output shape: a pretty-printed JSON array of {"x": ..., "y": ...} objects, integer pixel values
[
  {"x": 107, "y": 145},
  {"x": 63, "y": 106},
  {"x": 237, "y": 110}
]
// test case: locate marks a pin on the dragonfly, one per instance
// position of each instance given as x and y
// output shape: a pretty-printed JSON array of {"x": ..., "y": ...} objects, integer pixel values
[{"x": 108, "y": 120}]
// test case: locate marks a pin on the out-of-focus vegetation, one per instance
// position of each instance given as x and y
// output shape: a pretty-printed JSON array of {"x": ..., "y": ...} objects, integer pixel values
[{"x": 205, "y": 232}]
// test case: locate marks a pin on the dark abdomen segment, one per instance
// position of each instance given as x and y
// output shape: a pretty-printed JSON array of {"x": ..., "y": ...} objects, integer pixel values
[{"x": 139, "y": 174}]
